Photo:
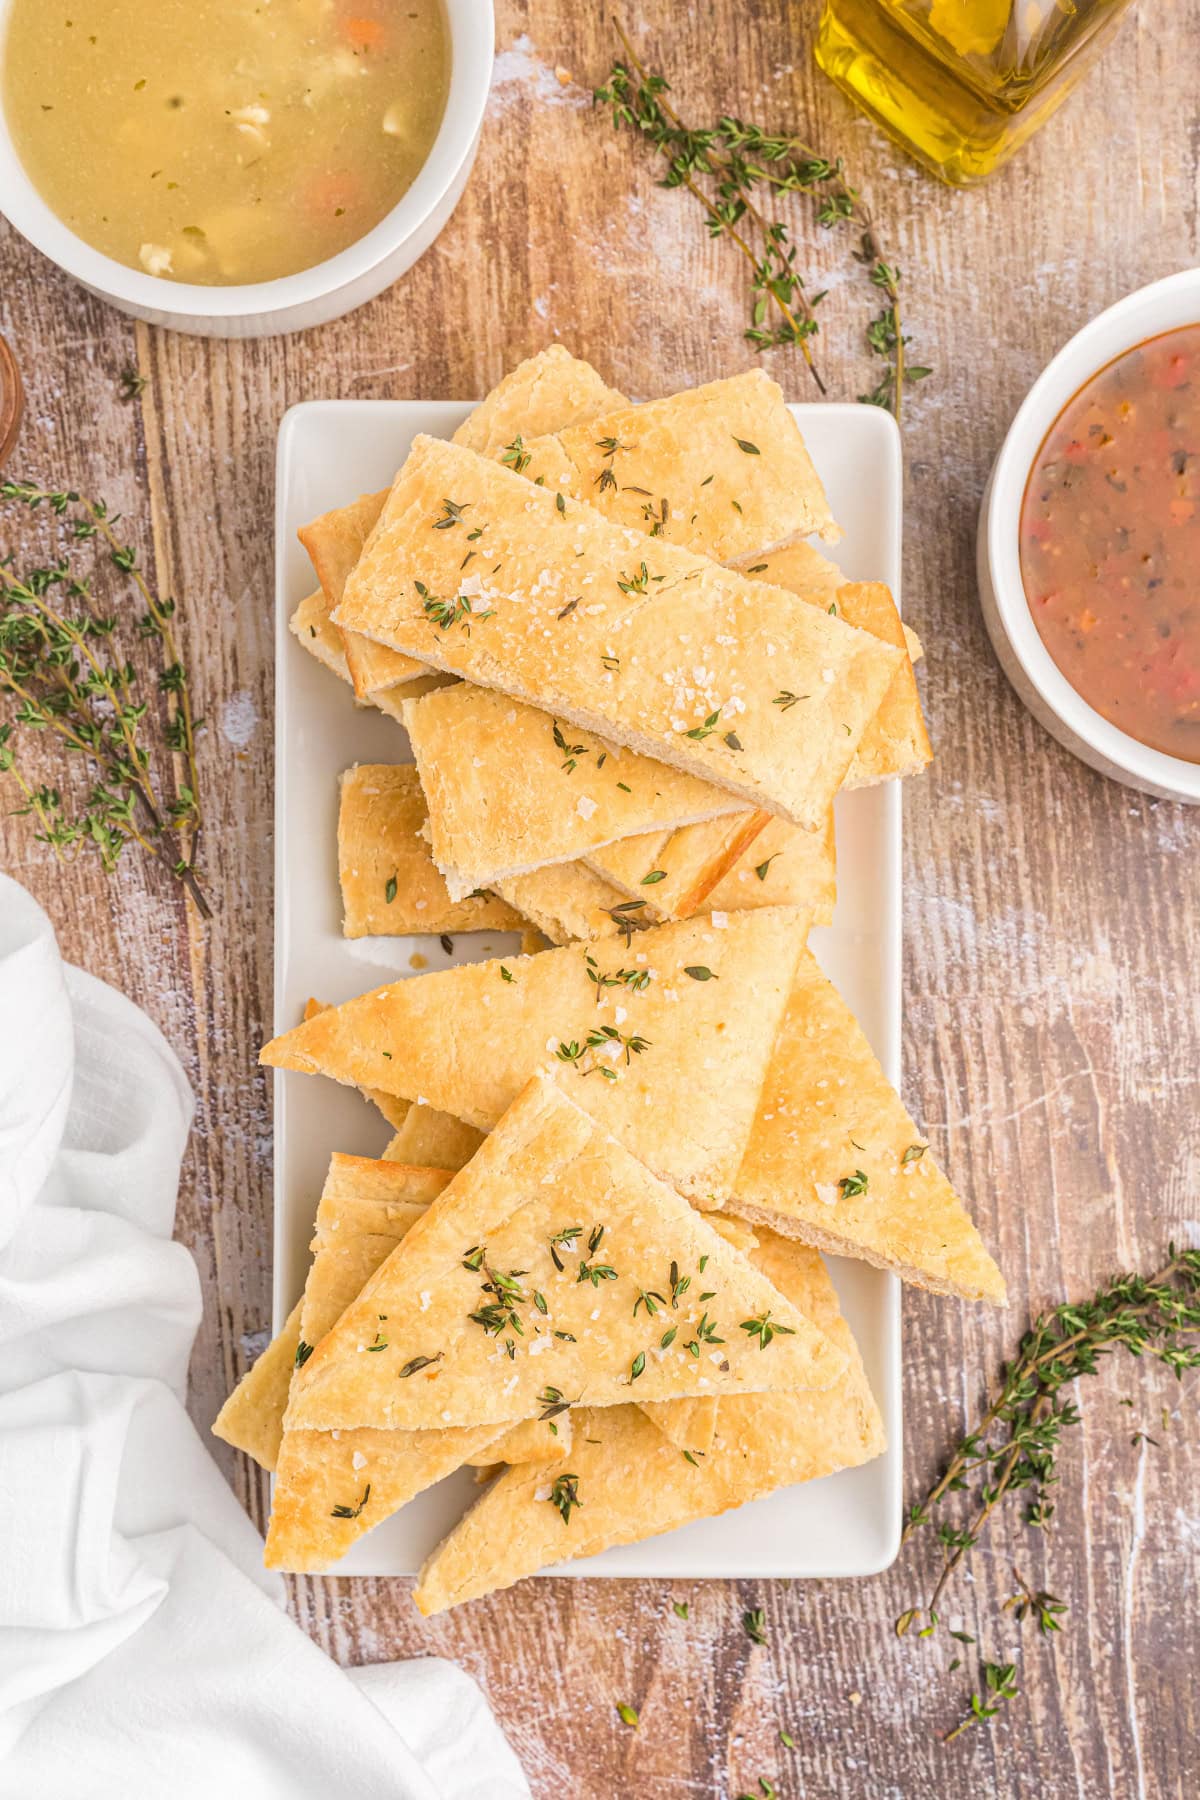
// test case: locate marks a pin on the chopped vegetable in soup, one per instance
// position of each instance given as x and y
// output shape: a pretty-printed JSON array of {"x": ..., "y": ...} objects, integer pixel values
[
  {"x": 218, "y": 141},
  {"x": 1110, "y": 542}
]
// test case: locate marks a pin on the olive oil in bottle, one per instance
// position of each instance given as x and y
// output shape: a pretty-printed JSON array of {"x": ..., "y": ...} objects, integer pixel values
[{"x": 961, "y": 84}]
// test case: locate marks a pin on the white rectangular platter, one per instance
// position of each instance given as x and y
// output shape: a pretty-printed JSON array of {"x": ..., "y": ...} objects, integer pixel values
[{"x": 330, "y": 451}]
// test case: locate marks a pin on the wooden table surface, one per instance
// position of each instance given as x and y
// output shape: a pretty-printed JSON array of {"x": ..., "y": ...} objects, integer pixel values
[{"x": 1052, "y": 934}]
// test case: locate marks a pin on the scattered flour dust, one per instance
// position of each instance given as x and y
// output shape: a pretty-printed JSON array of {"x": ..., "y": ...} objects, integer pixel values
[
  {"x": 519, "y": 73},
  {"x": 239, "y": 719}
]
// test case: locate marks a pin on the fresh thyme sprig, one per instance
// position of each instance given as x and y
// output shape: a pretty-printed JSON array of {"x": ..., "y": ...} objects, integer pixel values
[
  {"x": 999, "y": 1683},
  {"x": 1014, "y": 1447},
  {"x": 721, "y": 166},
  {"x": 58, "y": 663}
]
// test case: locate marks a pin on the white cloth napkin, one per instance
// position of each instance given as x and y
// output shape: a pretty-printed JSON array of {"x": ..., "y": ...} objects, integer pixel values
[{"x": 143, "y": 1648}]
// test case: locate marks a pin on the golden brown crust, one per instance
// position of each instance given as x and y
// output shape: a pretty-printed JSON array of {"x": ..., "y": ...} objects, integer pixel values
[
  {"x": 566, "y": 901},
  {"x": 547, "y": 390},
  {"x": 688, "y": 1424},
  {"x": 783, "y": 867},
  {"x": 631, "y": 1482},
  {"x": 674, "y": 872},
  {"x": 532, "y": 1441},
  {"x": 334, "y": 543},
  {"x": 314, "y": 631},
  {"x": 366, "y": 1208},
  {"x": 434, "y": 1139},
  {"x": 252, "y": 1417},
  {"x": 393, "y": 1108},
  {"x": 675, "y": 469},
  {"x": 332, "y": 1487},
  {"x": 312, "y": 626},
  {"x": 390, "y": 886},
  {"x": 896, "y": 741},
  {"x": 359, "y": 1197},
  {"x": 467, "y": 1039},
  {"x": 442, "y": 1359},
  {"x": 613, "y": 664},
  {"x": 509, "y": 790},
  {"x": 828, "y": 1113}
]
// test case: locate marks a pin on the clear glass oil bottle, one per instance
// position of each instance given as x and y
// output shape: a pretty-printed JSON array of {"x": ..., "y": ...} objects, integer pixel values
[{"x": 962, "y": 84}]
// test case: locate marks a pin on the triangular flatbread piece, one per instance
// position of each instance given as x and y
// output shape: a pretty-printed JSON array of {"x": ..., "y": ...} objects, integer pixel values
[
  {"x": 394, "y": 1109},
  {"x": 528, "y": 1520},
  {"x": 553, "y": 1263},
  {"x": 332, "y": 1487},
  {"x": 360, "y": 1197},
  {"x": 690, "y": 1424},
  {"x": 433, "y": 1139},
  {"x": 835, "y": 1159},
  {"x": 252, "y": 1417},
  {"x": 323, "y": 1475},
  {"x": 664, "y": 1039}
]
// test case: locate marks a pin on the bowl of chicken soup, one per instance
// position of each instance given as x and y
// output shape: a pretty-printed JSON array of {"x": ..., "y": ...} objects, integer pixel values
[{"x": 237, "y": 171}]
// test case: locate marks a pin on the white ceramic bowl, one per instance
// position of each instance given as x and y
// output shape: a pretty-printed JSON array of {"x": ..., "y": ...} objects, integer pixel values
[
  {"x": 1045, "y": 690},
  {"x": 330, "y": 288}
]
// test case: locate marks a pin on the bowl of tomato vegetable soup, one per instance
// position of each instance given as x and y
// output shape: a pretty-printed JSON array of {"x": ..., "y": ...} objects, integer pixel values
[
  {"x": 1089, "y": 543},
  {"x": 233, "y": 169}
]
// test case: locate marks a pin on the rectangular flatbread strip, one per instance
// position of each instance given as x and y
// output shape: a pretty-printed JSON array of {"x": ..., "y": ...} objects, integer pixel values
[
  {"x": 566, "y": 901},
  {"x": 783, "y": 867},
  {"x": 896, "y": 741},
  {"x": 780, "y": 865},
  {"x": 545, "y": 1248},
  {"x": 720, "y": 469},
  {"x": 549, "y": 389},
  {"x": 676, "y": 871},
  {"x": 663, "y": 652},
  {"x": 525, "y": 1522},
  {"x": 509, "y": 789},
  {"x": 390, "y": 886},
  {"x": 665, "y": 1040},
  {"x": 314, "y": 631},
  {"x": 835, "y": 1159},
  {"x": 506, "y": 785}
]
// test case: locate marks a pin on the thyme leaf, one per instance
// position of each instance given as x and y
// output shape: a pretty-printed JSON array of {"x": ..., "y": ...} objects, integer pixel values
[
  {"x": 565, "y": 1496},
  {"x": 61, "y": 667},
  {"x": 352, "y": 1512},
  {"x": 723, "y": 166}
]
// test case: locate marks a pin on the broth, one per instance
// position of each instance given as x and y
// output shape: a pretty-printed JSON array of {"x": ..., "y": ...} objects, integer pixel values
[{"x": 219, "y": 142}]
